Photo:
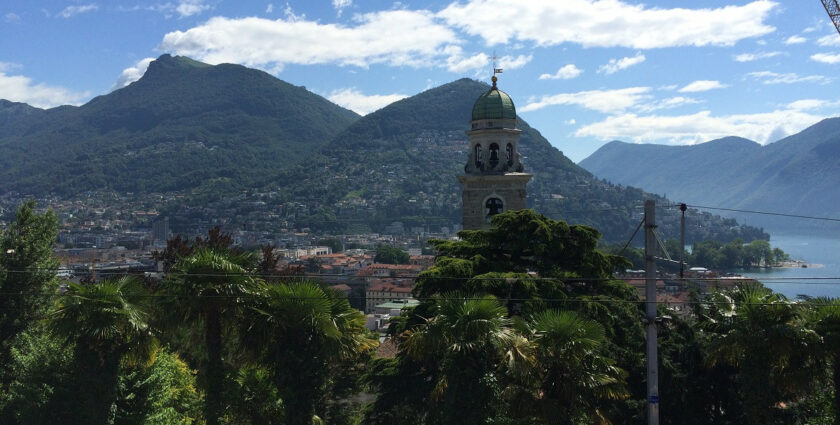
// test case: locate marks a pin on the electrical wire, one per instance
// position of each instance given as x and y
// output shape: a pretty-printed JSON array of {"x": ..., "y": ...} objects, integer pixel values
[
  {"x": 766, "y": 213},
  {"x": 346, "y": 276}
]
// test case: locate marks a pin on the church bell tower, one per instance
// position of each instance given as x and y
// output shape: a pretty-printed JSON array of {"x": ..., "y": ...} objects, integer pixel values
[{"x": 494, "y": 179}]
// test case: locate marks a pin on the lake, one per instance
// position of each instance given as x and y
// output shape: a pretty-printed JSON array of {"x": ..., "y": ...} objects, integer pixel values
[{"x": 791, "y": 282}]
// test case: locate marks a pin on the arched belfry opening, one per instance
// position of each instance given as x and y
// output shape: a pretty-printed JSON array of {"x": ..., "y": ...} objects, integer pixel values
[
  {"x": 494, "y": 179},
  {"x": 493, "y": 206},
  {"x": 494, "y": 155}
]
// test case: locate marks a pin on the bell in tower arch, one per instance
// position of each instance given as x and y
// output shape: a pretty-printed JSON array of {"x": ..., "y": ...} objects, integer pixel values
[{"x": 494, "y": 155}]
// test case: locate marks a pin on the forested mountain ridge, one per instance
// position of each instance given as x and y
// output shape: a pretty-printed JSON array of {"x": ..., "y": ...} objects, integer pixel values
[
  {"x": 239, "y": 146},
  {"x": 182, "y": 125},
  {"x": 401, "y": 163},
  {"x": 796, "y": 175}
]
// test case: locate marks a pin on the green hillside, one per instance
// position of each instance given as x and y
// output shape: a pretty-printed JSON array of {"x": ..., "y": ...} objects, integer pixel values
[
  {"x": 238, "y": 146},
  {"x": 400, "y": 163},
  {"x": 183, "y": 125}
]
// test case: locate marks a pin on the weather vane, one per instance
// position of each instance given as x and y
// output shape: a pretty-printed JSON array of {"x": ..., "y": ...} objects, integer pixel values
[{"x": 495, "y": 70}]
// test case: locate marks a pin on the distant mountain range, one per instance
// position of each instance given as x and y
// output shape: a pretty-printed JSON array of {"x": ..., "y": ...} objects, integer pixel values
[
  {"x": 228, "y": 135},
  {"x": 799, "y": 174}
]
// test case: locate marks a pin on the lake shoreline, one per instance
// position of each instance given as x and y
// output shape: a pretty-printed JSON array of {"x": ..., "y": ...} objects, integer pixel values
[{"x": 820, "y": 277}]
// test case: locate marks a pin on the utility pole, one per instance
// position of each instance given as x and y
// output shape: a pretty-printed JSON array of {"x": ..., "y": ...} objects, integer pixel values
[
  {"x": 650, "y": 298},
  {"x": 683, "y": 207}
]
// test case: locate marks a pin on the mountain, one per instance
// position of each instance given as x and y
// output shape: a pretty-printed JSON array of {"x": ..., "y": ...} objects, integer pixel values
[
  {"x": 796, "y": 175},
  {"x": 184, "y": 124},
  {"x": 400, "y": 164},
  {"x": 231, "y": 145}
]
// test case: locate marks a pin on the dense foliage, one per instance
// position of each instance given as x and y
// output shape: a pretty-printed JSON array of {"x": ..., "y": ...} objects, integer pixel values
[
  {"x": 519, "y": 324},
  {"x": 711, "y": 254},
  {"x": 386, "y": 254}
]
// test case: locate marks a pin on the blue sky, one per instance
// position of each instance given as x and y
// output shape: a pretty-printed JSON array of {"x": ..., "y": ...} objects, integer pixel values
[{"x": 582, "y": 72}]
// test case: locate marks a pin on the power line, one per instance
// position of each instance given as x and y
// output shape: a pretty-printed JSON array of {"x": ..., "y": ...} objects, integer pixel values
[
  {"x": 109, "y": 272},
  {"x": 767, "y": 213},
  {"x": 445, "y": 298},
  {"x": 632, "y": 236}
]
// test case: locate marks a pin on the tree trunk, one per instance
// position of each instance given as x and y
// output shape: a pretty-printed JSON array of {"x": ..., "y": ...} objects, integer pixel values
[
  {"x": 215, "y": 370},
  {"x": 95, "y": 382}
]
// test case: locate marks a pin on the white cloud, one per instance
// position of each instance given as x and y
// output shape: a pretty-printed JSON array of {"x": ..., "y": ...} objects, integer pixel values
[
  {"x": 269, "y": 8},
  {"x": 806, "y": 104},
  {"x": 826, "y": 58},
  {"x": 71, "y": 11},
  {"x": 770, "y": 77},
  {"x": 570, "y": 121},
  {"x": 362, "y": 104},
  {"x": 191, "y": 7},
  {"x": 19, "y": 88},
  {"x": 132, "y": 73},
  {"x": 616, "y": 65},
  {"x": 340, "y": 5},
  {"x": 183, "y": 8},
  {"x": 514, "y": 62},
  {"x": 459, "y": 64},
  {"x": 291, "y": 16},
  {"x": 606, "y": 101},
  {"x": 702, "y": 85},
  {"x": 668, "y": 103},
  {"x": 832, "y": 40},
  {"x": 565, "y": 73},
  {"x": 9, "y": 66},
  {"x": 749, "y": 57},
  {"x": 795, "y": 39},
  {"x": 11, "y": 17},
  {"x": 700, "y": 127},
  {"x": 618, "y": 101},
  {"x": 608, "y": 23},
  {"x": 393, "y": 37}
]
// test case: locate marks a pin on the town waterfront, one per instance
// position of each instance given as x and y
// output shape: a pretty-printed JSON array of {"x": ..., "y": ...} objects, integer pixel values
[{"x": 820, "y": 278}]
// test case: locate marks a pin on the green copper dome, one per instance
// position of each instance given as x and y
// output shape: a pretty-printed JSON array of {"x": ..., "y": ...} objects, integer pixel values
[{"x": 494, "y": 104}]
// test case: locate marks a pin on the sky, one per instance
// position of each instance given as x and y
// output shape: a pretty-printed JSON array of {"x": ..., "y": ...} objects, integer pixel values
[{"x": 582, "y": 72}]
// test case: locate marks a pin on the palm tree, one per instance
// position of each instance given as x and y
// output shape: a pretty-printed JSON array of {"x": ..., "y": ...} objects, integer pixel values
[
  {"x": 824, "y": 317},
  {"x": 569, "y": 375},
  {"x": 763, "y": 335},
  {"x": 108, "y": 323},
  {"x": 467, "y": 338},
  {"x": 206, "y": 291},
  {"x": 298, "y": 330}
]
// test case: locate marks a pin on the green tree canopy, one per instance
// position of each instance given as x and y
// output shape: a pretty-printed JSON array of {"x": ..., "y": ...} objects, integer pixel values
[
  {"x": 386, "y": 254},
  {"x": 108, "y": 323},
  {"x": 298, "y": 330},
  {"x": 27, "y": 270},
  {"x": 520, "y": 242},
  {"x": 765, "y": 337},
  {"x": 204, "y": 291}
]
